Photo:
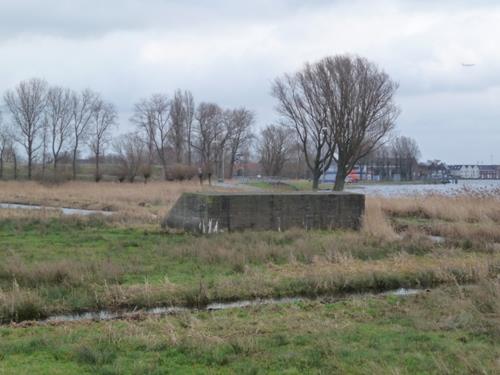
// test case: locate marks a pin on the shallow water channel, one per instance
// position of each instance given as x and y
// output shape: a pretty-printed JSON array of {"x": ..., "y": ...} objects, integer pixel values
[
  {"x": 106, "y": 315},
  {"x": 63, "y": 210}
]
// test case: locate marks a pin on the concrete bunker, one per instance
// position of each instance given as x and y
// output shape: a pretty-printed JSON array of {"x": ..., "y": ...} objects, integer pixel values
[{"x": 225, "y": 212}]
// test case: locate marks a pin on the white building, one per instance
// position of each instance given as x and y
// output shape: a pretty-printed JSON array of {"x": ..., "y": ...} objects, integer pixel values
[{"x": 465, "y": 171}]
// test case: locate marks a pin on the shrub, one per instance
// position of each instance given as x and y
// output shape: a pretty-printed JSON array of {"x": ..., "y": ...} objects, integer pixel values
[{"x": 181, "y": 172}]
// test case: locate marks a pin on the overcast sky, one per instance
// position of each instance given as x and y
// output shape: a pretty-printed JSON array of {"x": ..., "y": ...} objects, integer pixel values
[{"x": 229, "y": 51}]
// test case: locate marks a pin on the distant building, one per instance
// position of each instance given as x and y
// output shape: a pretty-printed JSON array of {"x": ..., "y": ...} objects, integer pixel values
[
  {"x": 465, "y": 171},
  {"x": 489, "y": 172},
  {"x": 434, "y": 170},
  {"x": 482, "y": 172}
]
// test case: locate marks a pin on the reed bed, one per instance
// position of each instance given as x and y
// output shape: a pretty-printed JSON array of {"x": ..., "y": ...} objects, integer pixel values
[
  {"x": 470, "y": 207},
  {"x": 130, "y": 201}
]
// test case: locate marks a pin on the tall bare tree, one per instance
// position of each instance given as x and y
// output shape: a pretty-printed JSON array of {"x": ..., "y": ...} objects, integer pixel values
[
  {"x": 103, "y": 118},
  {"x": 304, "y": 108},
  {"x": 130, "y": 149},
  {"x": 26, "y": 105},
  {"x": 59, "y": 116},
  {"x": 82, "y": 105},
  {"x": 188, "y": 119},
  {"x": 274, "y": 146},
  {"x": 45, "y": 145},
  {"x": 341, "y": 107},
  {"x": 5, "y": 139},
  {"x": 152, "y": 117},
  {"x": 209, "y": 132},
  {"x": 178, "y": 125},
  {"x": 361, "y": 101},
  {"x": 241, "y": 134},
  {"x": 406, "y": 153}
]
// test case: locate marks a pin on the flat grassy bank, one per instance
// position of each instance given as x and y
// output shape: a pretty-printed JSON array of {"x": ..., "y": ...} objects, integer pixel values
[
  {"x": 64, "y": 265},
  {"x": 446, "y": 331},
  {"x": 53, "y": 264}
]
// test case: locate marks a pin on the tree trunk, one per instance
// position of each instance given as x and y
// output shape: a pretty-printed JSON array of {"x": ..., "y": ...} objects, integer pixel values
[
  {"x": 1, "y": 166},
  {"x": 14, "y": 157},
  {"x": 316, "y": 177},
  {"x": 97, "y": 172},
  {"x": 165, "y": 171},
  {"x": 231, "y": 166},
  {"x": 340, "y": 178},
  {"x": 315, "y": 183},
  {"x": 75, "y": 151},
  {"x": 30, "y": 159}
]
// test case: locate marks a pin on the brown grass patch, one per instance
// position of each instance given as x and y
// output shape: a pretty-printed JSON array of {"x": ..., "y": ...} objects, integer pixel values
[
  {"x": 141, "y": 201},
  {"x": 375, "y": 222},
  {"x": 466, "y": 207}
]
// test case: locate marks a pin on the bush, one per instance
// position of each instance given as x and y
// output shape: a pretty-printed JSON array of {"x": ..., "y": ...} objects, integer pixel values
[{"x": 180, "y": 172}]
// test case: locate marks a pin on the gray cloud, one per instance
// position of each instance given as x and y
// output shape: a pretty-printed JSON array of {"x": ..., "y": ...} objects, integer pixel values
[{"x": 229, "y": 52}]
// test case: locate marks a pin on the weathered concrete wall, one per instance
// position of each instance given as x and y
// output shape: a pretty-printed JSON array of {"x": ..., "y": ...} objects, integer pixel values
[{"x": 221, "y": 212}]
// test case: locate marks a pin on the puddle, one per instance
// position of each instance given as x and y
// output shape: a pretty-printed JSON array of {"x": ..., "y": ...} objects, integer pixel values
[
  {"x": 437, "y": 239},
  {"x": 403, "y": 292},
  {"x": 106, "y": 315},
  {"x": 63, "y": 210}
]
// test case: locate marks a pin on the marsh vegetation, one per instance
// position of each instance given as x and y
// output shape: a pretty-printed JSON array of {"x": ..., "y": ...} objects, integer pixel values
[{"x": 55, "y": 265}]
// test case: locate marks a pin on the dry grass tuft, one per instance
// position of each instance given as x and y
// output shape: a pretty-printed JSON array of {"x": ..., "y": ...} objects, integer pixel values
[
  {"x": 473, "y": 308},
  {"x": 19, "y": 304},
  {"x": 471, "y": 208},
  {"x": 60, "y": 273},
  {"x": 375, "y": 222}
]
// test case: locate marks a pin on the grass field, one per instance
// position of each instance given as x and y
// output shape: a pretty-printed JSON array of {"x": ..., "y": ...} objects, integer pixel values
[{"x": 54, "y": 265}]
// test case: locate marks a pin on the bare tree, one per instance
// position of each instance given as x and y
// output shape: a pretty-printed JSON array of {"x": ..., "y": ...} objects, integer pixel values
[
  {"x": 178, "y": 123},
  {"x": 5, "y": 139},
  {"x": 275, "y": 144},
  {"x": 130, "y": 149},
  {"x": 7, "y": 149},
  {"x": 14, "y": 158},
  {"x": 241, "y": 134},
  {"x": 26, "y": 104},
  {"x": 152, "y": 117},
  {"x": 59, "y": 113},
  {"x": 82, "y": 105},
  {"x": 104, "y": 116},
  {"x": 45, "y": 146},
  {"x": 347, "y": 96},
  {"x": 361, "y": 101},
  {"x": 303, "y": 107},
  {"x": 406, "y": 153},
  {"x": 188, "y": 119},
  {"x": 209, "y": 133}
]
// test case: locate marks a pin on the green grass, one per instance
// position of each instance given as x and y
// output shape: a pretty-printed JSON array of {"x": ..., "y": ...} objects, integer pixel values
[
  {"x": 54, "y": 266},
  {"x": 62, "y": 265},
  {"x": 355, "y": 336}
]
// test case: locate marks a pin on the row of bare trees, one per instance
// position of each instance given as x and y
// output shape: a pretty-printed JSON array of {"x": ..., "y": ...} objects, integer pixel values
[
  {"x": 397, "y": 157},
  {"x": 202, "y": 135},
  {"x": 337, "y": 110},
  {"x": 52, "y": 121}
]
